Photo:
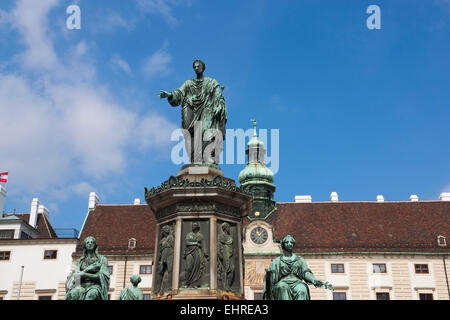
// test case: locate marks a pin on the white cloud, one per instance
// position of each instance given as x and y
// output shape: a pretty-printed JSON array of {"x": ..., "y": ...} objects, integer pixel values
[
  {"x": 59, "y": 130},
  {"x": 154, "y": 131},
  {"x": 157, "y": 64},
  {"x": 118, "y": 62},
  {"x": 80, "y": 49},
  {"x": 113, "y": 20},
  {"x": 161, "y": 7},
  {"x": 29, "y": 17},
  {"x": 4, "y": 18}
]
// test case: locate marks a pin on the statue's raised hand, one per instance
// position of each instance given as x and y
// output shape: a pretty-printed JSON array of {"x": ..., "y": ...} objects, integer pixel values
[{"x": 163, "y": 94}]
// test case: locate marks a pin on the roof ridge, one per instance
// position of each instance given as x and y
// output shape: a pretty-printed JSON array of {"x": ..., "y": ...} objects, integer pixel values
[
  {"x": 115, "y": 205},
  {"x": 368, "y": 201}
]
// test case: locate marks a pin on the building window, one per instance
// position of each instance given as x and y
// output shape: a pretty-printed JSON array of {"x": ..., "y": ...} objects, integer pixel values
[
  {"x": 421, "y": 268},
  {"x": 425, "y": 296},
  {"x": 45, "y": 298},
  {"x": 110, "y": 269},
  {"x": 257, "y": 296},
  {"x": 145, "y": 269},
  {"x": 339, "y": 296},
  {"x": 442, "y": 241},
  {"x": 383, "y": 296},
  {"x": 132, "y": 243},
  {"x": 4, "y": 255},
  {"x": 337, "y": 268},
  {"x": 146, "y": 296},
  {"x": 50, "y": 254},
  {"x": 379, "y": 268},
  {"x": 24, "y": 236},
  {"x": 6, "y": 234}
]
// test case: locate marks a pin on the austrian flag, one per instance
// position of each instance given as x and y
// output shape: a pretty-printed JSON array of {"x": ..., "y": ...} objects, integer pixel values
[{"x": 4, "y": 177}]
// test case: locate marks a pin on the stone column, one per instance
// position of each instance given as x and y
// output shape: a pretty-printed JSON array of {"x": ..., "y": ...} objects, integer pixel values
[
  {"x": 176, "y": 255},
  {"x": 241, "y": 253},
  {"x": 155, "y": 257},
  {"x": 213, "y": 252}
]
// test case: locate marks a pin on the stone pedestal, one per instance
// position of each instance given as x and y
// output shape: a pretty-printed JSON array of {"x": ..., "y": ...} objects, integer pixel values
[{"x": 198, "y": 242}]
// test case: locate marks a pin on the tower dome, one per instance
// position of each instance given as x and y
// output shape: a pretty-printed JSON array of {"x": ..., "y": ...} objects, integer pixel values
[{"x": 257, "y": 177}]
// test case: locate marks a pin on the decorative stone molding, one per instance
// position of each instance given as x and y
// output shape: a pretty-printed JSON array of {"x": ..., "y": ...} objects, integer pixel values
[{"x": 173, "y": 182}]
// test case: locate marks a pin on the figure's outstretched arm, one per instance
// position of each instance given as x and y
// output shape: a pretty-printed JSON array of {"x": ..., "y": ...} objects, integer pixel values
[
  {"x": 164, "y": 94},
  {"x": 175, "y": 97},
  {"x": 309, "y": 277}
]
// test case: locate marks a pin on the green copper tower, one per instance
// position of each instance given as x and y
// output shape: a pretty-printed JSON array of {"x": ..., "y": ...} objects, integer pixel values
[{"x": 258, "y": 178}]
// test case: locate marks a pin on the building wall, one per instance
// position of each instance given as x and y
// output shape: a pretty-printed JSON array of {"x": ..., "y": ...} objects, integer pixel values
[
  {"x": 359, "y": 282},
  {"x": 40, "y": 276}
]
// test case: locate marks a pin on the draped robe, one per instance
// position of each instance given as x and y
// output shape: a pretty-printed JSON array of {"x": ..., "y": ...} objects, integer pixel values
[
  {"x": 201, "y": 100},
  {"x": 84, "y": 289},
  {"x": 285, "y": 279},
  {"x": 195, "y": 259},
  {"x": 225, "y": 256},
  {"x": 131, "y": 293}
]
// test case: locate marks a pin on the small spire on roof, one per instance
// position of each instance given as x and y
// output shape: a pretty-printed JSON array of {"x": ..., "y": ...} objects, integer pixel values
[{"x": 254, "y": 126}]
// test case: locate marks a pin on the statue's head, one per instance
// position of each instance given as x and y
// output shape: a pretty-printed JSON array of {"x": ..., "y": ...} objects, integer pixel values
[
  {"x": 135, "y": 279},
  {"x": 195, "y": 226},
  {"x": 165, "y": 230},
  {"x": 226, "y": 227},
  {"x": 288, "y": 242},
  {"x": 89, "y": 244},
  {"x": 199, "y": 66}
]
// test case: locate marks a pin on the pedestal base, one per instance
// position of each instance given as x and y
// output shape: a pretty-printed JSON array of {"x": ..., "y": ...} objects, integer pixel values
[
  {"x": 197, "y": 172},
  {"x": 199, "y": 226},
  {"x": 201, "y": 294}
]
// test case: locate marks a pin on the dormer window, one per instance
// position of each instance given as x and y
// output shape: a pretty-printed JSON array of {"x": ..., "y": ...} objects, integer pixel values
[
  {"x": 132, "y": 243},
  {"x": 442, "y": 241}
]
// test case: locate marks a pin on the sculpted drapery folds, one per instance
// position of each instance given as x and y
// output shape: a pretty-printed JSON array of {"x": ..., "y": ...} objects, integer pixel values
[
  {"x": 202, "y": 102},
  {"x": 288, "y": 276},
  {"x": 196, "y": 258},
  {"x": 89, "y": 279},
  {"x": 225, "y": 257},
  {"x": 165, "y": 262},
  {"x": 132, "y": 292}
]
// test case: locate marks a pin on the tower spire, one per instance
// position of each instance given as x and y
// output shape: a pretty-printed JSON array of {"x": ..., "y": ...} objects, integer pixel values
[{"x": 258, "y": 178}]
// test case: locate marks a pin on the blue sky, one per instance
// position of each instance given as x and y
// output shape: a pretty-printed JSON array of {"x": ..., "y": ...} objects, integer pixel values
[{"x": 360, "y": 112}]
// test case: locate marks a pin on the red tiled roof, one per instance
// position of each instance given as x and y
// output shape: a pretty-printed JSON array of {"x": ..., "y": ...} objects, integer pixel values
[
  {"x": 114, "y": 225},
  {"x": 363, "y": 226},
  {"x": 44, "y": 226},
  {"x": 317, "y": 227}
]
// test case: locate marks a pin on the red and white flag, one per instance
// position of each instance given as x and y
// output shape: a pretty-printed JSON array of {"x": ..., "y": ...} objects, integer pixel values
[{"x": 4, "y": 177}]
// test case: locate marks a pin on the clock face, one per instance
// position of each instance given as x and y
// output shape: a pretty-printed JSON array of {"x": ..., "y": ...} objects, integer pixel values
[{"x": 259, "y": 235}]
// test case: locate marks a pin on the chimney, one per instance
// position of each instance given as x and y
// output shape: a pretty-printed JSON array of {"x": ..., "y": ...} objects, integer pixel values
[
  {"x": 2, "y": 199},
  {"x": 43, "y": 210},
  {"x": 413, "y": 197},
  {"x": 34, "y": 212},
  {"x": 93, "y": 201},
  {"x": 380, "y": 198},
  {"x": 303, "y": 199},
  {"x": 445, "y": 196},
  {"x": 334, "y": 197},
  {"x": 137, "y": 201}
]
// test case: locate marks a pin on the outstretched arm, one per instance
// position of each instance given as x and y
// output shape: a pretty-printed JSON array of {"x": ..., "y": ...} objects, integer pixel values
[
  {"x": 309, "y": 277},
  {"x": 164, "y": 94}
]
